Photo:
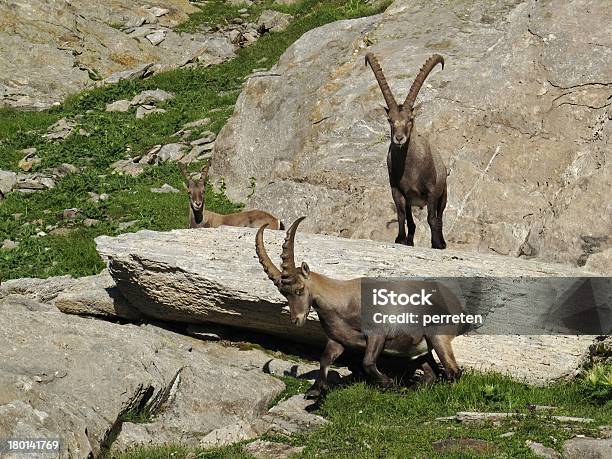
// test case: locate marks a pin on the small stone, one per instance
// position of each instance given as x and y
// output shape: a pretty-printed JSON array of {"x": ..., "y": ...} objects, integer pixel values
[
  {"x": 69, "y": 214},
  {"x": 165, "y": 188},
  {"x": 64, "y": 169},
  {"x": 263, "y": 449},
  {"x": 157, "y": 11},
  {"x": 60, "y": 130},
  {"x": 542, "y": 451},
  {"x": 127, "y": 166},
  {"x": 273, "y": 21},
  {"x": 156, "y": 37},
  {"x": 8, "y": 180},
  {"x": 207, "y": 137},
  {"x": 197, "y": 123},
  {"x": 171, "y": 152},
  {"x": 145, "y": 110},
  {"x": 7, "y": 244},
  {"x": 126, "y": 225},
  {"x": 29, "y": 160},
  {"x": 250, "y": 37},
  {"x": 234, "y": 36},
  {"x": 119, "y": 106},
  {"x": 151, "y": 97},
  {"x": 89, "y": 222}
]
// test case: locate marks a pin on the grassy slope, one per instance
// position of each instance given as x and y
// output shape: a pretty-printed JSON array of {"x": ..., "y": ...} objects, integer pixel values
[
  {"x": 367, "y": 422},
  {"x": 201, "y": 92}
]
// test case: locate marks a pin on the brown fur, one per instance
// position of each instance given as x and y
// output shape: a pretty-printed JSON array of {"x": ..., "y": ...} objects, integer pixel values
[
  {"x": 199, "y": 217},
  {"x": 338, "y": 304},
  {"x": 416, "y": 174}
]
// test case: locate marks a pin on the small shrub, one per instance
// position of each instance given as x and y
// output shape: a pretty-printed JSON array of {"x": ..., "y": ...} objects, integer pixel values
[{"x": 597, "y": 383}]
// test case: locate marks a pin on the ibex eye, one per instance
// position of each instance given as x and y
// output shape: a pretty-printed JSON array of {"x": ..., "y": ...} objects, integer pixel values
[{"x": 299, "y": 292}]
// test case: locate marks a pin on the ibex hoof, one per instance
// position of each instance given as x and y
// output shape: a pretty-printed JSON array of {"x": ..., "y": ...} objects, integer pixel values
[
  {"x": 386, "y": 383},
  {"x": 438, "y": 245},
  {"x": 315, "y": 392}
]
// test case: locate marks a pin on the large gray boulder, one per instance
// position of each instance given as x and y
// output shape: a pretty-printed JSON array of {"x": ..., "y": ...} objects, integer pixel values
[
  {"x": 521, "y": 115},
  {"x": 213, "y": 276},
  {"x": 80, "y": 379}
]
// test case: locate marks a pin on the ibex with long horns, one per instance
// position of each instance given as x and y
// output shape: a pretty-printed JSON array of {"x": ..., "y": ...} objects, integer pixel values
[
  {"x": 417, "y": 175},
  {"x": 199, "y": 217},
  {"x": 338, "y": 304}
]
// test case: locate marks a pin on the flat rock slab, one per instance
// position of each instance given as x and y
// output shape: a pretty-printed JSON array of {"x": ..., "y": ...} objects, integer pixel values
[{"x": 212, "y": 275}]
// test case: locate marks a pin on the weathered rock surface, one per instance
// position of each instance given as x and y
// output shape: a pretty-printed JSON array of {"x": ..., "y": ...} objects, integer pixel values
[
  {"x": 212, "y": 275},
  {"x": 49, "y": 50},
  {"x": 8, "y": 179},
  {"x": 591, "y": 448},
  {"x": 76, "y": 378},
  {"x": 520, "y": 114}
]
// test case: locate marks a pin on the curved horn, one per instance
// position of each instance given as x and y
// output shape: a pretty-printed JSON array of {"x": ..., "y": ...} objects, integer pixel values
[
  {"x": 204, "y": 173},
  {"x": 272, "y": 271},
  {"x": 184, "y": 173},
  {"x": 428, "y": 66},
  {"x": 382, "y": 81},
  {"x": 288, "y": 263}
]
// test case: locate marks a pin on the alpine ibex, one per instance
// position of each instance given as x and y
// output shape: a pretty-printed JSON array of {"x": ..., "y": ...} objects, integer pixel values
[
  {"x": 338, "y": 304},
  {"x": 417, "y": 175},
  {"x": 199, "y": 217}
]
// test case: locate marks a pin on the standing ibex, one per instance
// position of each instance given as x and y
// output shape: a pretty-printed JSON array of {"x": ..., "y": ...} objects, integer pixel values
[
  {"x": 338, "y": 304},
  {"x": 199, "y": 217},
  {"x": 417, "y": 175}
]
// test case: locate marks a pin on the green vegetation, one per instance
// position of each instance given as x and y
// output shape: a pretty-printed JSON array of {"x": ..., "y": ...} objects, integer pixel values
[
  {"x": 597, "y": 383},
  {"x": 367, "y": 423},
  {"x": 200, "y": 92}
]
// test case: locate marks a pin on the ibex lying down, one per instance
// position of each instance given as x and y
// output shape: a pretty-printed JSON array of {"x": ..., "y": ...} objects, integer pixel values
[
  {"x": 338, "y": 304},
  {"x": 199, "y": 217},
  {"x": 417, "y": 175}
]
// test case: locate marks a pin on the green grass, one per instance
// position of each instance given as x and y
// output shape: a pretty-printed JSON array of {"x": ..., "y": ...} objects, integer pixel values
[
  {"x": 200, "y": 92},
  {"x": 366, "y": 422}
]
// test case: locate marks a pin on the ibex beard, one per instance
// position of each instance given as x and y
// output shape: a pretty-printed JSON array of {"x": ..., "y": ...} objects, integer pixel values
[
  {"x": 338, "y": 305},
  {"x": 416, "y": 174}
]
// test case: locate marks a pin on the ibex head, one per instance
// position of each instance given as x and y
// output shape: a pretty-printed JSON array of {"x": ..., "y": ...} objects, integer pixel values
[
  {"x": 401, "y": 116},
  {"x": 292, "y": 282},
  {"x": 195, "y": 189}
]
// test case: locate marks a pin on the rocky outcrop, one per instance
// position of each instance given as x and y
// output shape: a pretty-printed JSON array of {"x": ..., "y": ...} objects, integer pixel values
[
  {"x": 81, "y": 379},
  {"x": 213, "y": 275},
  {"x": 49, "y": 50},
  {"x": 521, "y": 115}
]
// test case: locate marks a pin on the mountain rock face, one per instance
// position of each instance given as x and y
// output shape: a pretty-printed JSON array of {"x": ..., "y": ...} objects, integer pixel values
[
  {"x": 520, "y": 114},
  {"x": 52, "y": 48}
]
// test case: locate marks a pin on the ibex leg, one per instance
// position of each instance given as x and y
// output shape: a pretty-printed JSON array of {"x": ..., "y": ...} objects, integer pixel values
[
  {"x": 332, "y": 351},
  {"x": 410, "y": 224},
  {"x": 434, "y": 223},
  {"x": 400, "y": 206},
  {"x": 442, "y": 345},
  {"x": 374, "y": 347},
  {"x": 441, "y": 207}
]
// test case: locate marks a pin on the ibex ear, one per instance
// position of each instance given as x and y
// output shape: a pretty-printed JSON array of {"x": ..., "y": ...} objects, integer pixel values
[
  {"x": 305, "y": 270},
  {"x": 417, "y": 108},
  {"x": 386, "y": 109},
  {"x": 185, "y": 186}
]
